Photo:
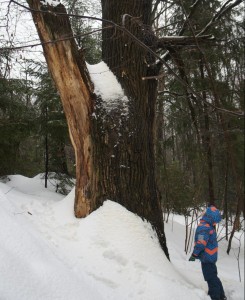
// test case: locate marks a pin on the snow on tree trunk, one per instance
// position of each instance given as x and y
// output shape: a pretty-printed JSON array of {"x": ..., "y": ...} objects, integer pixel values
[
  {"x": 134, "y": 177},
  {"x": 113, "y": 136}
]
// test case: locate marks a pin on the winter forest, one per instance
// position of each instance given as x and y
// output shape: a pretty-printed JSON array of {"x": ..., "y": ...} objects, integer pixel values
[{"x": 120, "y": 122}]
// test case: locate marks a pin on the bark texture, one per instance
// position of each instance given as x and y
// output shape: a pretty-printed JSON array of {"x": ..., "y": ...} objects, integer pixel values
[
  {"x": 115, "y": 155},
  {"x": 134, "y": 177}
]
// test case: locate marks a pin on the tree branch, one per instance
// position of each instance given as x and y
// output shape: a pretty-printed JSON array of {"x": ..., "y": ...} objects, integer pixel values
[
  {"x": 218, "y": 16},
  {"x": 171, "y": 93},
  {"x": 52, "y": 41},
  {"x": 182, "y": 40},
  {"x": 154, "y": 10},
  {"x": 222, "y": 11},
  {"x": 193, "y": 9},
  {"x": 142, "y": 45}
]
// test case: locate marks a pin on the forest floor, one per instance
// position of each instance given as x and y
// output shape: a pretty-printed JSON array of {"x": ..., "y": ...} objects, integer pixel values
[{"x": 48, "y": 254}]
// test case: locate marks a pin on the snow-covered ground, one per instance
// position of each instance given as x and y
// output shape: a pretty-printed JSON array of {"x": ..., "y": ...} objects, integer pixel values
[{"x": 46, "y": 253}]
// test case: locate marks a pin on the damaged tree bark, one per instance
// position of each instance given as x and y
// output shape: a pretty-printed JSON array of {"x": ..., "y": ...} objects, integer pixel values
[
  {"x": 115, "y": 154},
  {"x": 72, "y": 80}
]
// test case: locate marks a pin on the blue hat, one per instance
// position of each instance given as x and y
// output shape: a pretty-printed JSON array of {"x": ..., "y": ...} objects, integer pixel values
[{"x": 212, "y": 215}]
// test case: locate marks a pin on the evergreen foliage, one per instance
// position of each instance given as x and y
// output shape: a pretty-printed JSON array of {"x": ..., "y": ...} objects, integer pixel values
[
  {"x": 90, "y": 43},
  {"x": 30, "y": 115},
  {"x": 52, "y": 127},
  {"x": 192, "y": 129},
  {"x": 16, "y": 120}
]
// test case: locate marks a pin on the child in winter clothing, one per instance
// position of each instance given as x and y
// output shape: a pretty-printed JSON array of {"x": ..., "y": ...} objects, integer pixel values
[{"x": 206, "y": 250}]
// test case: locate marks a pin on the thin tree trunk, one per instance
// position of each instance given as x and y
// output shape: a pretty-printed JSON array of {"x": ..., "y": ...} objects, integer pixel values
[
  {"x": 46, "y": 160},
  {"x": 226, "y": 200},
  {"x": 189, "y": 97},
  {"x": 46, "y": 147},
  {"x": 207, "y": 144},
  {"x": 236, "y": 225},
  {"x": 206, "y": 137},
  {"x": 190, "y": 231}
]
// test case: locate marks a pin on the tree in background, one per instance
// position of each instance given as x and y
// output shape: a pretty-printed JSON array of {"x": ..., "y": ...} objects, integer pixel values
[
  {"x": 16, "y": 120},
  {"x": 199, "y": 136},
  {"x": 34, "y": 133},
  {"x": 52, "y": 127},
  {"x": 90, "y": 43}
]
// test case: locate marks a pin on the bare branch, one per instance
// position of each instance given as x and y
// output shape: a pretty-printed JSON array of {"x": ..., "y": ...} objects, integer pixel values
[
  {"x": 182, "y": 40},
  {"x": 141, "y": 44},
  {"x": 153, "y": 77},
  {"x": 53, "y": 41},
  {"x": 72, "y": 6},
  {"x": 154, "y": 10},
  {"x": 218, "y": 16},
  {"x": 215, "y": 18},
  {"x": 193, "y": 9},
  {"x": 170, "y": 93}
]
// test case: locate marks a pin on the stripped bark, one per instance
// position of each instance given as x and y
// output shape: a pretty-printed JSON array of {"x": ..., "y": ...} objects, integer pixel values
[
  {"x": 69, "y": 72},
  {"x": 115, "y": 155}
]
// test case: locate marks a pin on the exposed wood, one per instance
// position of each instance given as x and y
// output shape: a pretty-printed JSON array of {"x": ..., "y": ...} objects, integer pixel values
[
  {"x": 70, "y": 75},
  {"x": 121, "y": 148}
]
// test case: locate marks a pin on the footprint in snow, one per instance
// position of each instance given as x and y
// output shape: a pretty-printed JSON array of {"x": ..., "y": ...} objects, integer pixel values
[
  {"x": 140, "y": 266},
  {"x": 109, "y": 254},
  {"x": 104, "y": 280}
]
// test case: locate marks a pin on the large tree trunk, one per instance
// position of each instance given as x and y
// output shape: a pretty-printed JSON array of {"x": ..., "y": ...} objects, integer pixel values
[
  {"x": 114, "y": 153},
  {"x": 131, "y": 64}
]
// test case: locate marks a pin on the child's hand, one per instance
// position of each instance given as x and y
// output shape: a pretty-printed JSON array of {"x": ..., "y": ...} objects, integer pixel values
[{"x": 192, "y": 258}]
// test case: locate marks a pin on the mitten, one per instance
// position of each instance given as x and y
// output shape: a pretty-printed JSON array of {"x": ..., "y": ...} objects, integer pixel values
[{"x": 192, "y": 258}]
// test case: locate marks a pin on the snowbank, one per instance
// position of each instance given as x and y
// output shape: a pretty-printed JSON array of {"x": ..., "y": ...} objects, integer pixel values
[{"x": 46, "y": 253}]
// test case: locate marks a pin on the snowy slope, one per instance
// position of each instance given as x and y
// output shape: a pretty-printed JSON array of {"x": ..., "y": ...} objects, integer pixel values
[{"x": 46, "y": 253}]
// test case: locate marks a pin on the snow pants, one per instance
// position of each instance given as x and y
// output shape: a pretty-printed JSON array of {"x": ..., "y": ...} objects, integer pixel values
[{"x": 215, "y": 287}]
